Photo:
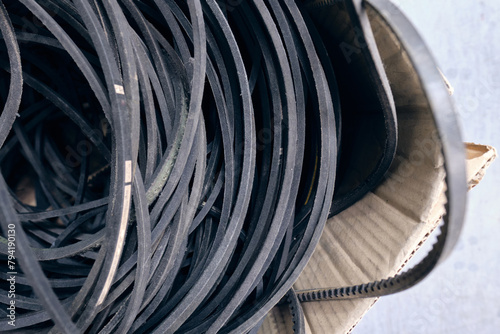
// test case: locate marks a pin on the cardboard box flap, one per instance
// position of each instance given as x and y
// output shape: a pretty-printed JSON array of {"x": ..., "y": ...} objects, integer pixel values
[{"x": 479, "y": 157}]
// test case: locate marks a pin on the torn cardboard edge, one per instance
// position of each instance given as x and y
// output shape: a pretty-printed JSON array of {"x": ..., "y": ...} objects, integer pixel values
[{"x": 479, "y": 158}]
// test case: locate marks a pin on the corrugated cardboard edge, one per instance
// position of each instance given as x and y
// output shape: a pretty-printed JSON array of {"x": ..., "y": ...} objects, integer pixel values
[{"x": 479, "y": 157}]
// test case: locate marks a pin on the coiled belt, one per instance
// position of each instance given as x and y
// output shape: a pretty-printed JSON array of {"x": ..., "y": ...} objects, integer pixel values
[{"x": 180, "y": 159}]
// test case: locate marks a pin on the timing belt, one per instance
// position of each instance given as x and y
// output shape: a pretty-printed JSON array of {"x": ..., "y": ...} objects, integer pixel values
[
  {"x": 452, "y": 151},
  {"x": 215, "y": 138}
]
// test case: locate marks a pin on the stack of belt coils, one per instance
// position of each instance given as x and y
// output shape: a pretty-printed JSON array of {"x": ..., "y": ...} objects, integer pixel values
[{"x": 168, "y": 166}]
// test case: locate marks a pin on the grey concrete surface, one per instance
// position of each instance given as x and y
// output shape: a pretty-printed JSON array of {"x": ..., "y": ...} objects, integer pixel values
[{"x": 463, "y": 294}]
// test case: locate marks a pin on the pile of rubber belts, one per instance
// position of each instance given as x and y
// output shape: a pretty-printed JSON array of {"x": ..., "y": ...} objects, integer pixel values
[{"x": 168, "y": 166}]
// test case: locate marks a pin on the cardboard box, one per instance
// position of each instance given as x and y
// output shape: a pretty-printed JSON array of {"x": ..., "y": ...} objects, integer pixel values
[
  {"x": 374, "y": 238},
  {"x": 368, "y": 241}
]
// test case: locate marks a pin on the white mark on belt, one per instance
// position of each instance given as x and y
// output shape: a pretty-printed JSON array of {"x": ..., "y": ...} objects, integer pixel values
[
  {"x": 128, "y": 171},
  {"x": 119, "y": 89},
  {"x": 119, "y": 244}
]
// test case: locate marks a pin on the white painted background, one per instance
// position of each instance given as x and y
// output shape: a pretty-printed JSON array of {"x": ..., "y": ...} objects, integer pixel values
[{"x": 462, "y": 295}]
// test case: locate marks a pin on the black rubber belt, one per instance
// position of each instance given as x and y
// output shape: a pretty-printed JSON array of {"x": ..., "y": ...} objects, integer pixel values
[
  {"x": 182, "y": 159},
  {"x": 454, "y": 163}
]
